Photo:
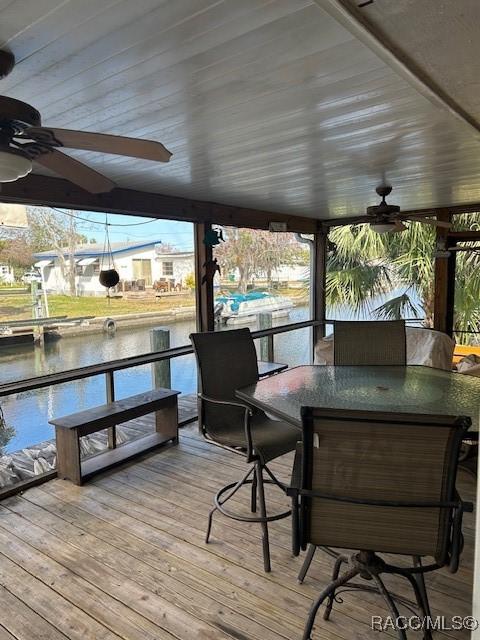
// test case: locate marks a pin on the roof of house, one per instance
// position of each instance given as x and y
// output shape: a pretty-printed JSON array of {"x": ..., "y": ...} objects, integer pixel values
[{"x": 97, "y": 249}]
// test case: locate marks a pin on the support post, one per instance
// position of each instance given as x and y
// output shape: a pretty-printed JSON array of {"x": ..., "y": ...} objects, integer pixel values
[
  {"x": 110, "y": 393},
  {"x": 266, "y": 343},
  {"x": 319, "y": 275},
  {"x": 450, "y": 293},
  {"x": 440, "y": 302},
  {"x": 203, "y": 291},
  {"x": 160, "y": 341}
]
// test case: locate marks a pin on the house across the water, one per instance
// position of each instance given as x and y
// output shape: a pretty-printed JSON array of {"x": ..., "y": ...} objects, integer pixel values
[{"x": 140, "y": 265}]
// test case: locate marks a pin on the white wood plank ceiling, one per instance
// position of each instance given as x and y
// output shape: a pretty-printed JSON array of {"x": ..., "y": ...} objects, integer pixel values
[{"x": 272, "y": 104}]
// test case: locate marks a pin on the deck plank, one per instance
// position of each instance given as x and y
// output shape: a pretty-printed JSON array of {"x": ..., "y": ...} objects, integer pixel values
[{"x": 124, "y": 557}]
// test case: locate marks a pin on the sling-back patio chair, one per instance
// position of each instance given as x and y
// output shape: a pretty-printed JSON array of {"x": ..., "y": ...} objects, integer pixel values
[
  {"x": 386, "y": 485},
  {"x": 374, "y": 342},
  {"x": 226, "y": 361}
]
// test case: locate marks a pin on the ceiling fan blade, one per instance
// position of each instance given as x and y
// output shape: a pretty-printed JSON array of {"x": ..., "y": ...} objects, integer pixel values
[
  {"x": 430, "y": 221},
  {"x": 101, "y": 142},
  {"x": 75, "y": 171}
]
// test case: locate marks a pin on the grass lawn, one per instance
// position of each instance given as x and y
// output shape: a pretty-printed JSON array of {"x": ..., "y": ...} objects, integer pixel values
[{"x": 19, "y": 307}]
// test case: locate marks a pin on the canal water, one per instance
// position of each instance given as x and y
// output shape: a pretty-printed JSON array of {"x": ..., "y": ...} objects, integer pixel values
[{"x": 30, "y": 412}]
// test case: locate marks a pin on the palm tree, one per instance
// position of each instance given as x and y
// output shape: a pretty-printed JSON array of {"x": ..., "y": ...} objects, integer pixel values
[{"x": 365, "y": 264}]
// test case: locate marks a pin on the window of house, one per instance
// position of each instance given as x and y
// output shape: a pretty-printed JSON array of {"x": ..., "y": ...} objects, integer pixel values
[
  {"x": 167, "y": 268},
  {"x": 96, "y": 267},
  {"x": 78, "y": 270}
]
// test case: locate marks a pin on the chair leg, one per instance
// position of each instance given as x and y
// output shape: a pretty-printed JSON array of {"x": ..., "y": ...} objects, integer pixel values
[
  {"x": 331, "y": 588},
  {"x": 253, "y": 501},
  {"x": 306, "y": 563},
  {"x": 209, "y": 526},
  {"x": 420, "y": 579},
  {"x": 295, "y": 528},
  {"x": 390, "y": 602},
  {"x": 233, "y": 490},
  {"x": 427, "y": 634},
  {"x": 331, "y": 598},
  {"x": 263, "y": 515}
]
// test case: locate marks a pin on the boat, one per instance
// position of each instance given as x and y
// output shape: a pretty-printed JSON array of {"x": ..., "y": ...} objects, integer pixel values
[{"x": 242, "y": 308}]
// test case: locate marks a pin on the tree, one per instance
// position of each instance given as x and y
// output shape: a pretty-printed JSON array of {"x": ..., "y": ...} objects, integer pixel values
[
  {"x": 52, "y": 230},
  {"x": 366, "y": 264},
  {"x": 257, "y": 253},
  {"x": 17, "y": 253}
]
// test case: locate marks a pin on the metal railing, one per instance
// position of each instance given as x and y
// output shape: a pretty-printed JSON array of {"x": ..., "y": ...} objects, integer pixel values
[{"x": 108, "y": 369}]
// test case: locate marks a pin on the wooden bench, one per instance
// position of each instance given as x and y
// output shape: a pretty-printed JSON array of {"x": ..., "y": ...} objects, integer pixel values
[{"x": 69, "y": 429}]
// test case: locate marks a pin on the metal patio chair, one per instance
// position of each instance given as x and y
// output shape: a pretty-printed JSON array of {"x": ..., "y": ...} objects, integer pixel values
[
  {"x": 378, "y": 483},
  {"x": 226, "y": 361},
  {"x": 381, "y": 342}
]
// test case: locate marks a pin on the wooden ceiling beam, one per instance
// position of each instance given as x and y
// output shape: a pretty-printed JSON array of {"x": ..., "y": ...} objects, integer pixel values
[{"x": 54, "y": 192}]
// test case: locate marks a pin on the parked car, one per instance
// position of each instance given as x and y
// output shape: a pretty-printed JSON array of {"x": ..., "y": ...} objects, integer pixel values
[{"x": 31, "y": 276}]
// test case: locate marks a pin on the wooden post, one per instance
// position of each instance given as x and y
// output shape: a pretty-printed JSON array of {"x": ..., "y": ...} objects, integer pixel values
[
  {"x": 440, "y": 303},
  {"x": 68, "y": 455},
  {"x": 166, "y": 419},
  {"x": 266, "y": 343},
  {"x": 318, "y": 286},
  {"x": 203, "y": 291},
  {"x": 450, "y": 290},
  {"x": 110, "y": 393},
  {"x": 160, "y": 341}
]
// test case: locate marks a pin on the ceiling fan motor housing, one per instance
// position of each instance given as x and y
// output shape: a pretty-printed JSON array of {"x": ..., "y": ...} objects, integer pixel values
[
  {"x": 16, "y": 116},
  {"x": 7, "y": 62},
  {"x": 383, "y": 209}
]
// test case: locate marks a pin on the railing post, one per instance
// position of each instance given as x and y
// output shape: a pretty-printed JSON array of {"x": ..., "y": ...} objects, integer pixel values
[
  {"x": 266, "y": 343},
  {"x": 110, "y": 392},
  {"x": 160, "y": 341}
]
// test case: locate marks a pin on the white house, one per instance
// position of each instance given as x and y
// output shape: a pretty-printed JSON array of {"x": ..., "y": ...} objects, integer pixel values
[
  {"x": 134, "y": 261},
  {"x": 6, "y": 274}
]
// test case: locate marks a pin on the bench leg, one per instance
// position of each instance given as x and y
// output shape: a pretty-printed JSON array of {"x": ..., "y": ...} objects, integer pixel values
[
  {"x": 112, "y": 437},
  {"x": 68, "y": 455},
  {"x": 166, "y": 420}
]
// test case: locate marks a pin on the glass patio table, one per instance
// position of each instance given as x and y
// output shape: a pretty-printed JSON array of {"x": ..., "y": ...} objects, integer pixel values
[{"x": 410, "y": 389}]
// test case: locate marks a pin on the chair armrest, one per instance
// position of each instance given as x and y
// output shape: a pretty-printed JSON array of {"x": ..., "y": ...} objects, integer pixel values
[
  {"x": 225, "y": 402},
  {"x": 246, "y": 419},
  {"x": 269, "y": 368},
  {"x": 457, "y": 536},
  {"x": 296, "y": 479}
]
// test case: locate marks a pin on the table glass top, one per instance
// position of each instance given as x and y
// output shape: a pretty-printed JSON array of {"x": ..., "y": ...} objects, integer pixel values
[{"x": 411, "y": 389}]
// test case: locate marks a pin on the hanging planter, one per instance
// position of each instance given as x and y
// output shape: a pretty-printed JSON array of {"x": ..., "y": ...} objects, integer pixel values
[{"x": 109, "y": 276}]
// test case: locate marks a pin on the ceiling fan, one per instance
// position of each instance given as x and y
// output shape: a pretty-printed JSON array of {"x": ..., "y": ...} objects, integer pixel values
[
  {"x": 23, "y": 140},
  {"x": 385, "y": 218}
]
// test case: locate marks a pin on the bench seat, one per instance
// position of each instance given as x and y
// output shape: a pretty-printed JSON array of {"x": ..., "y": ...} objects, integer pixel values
[{"x": 69, "y": 429}]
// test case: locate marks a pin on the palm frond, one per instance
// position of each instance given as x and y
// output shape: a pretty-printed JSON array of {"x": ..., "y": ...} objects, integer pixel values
[
  {"x": 397, "y": 308},
  {"x": 354, "y": 283}
]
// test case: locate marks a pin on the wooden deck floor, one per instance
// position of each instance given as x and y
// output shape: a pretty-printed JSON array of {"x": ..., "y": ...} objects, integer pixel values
[{"x": 124, "y": 557}]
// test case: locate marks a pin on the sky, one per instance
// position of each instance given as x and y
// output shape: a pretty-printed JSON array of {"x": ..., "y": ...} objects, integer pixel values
[{"x": 127, "y": 229}]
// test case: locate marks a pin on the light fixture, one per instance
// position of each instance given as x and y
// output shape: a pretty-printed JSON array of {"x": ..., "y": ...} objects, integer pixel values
[
  {"x": 384, "y": 227},
  {"x": 13, "y": 165}
]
